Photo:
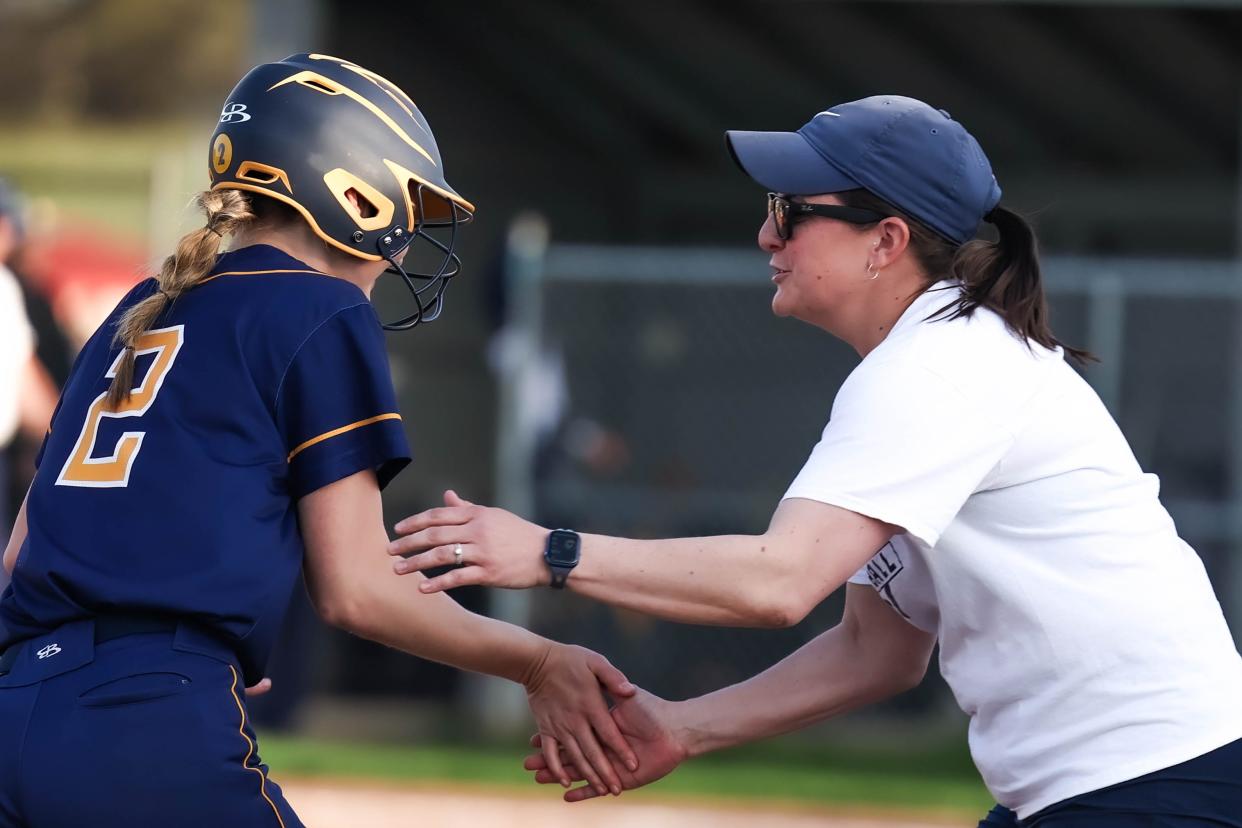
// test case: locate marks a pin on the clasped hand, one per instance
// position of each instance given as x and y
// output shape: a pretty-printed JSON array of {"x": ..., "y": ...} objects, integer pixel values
[
  {"x": 578, "y": 740},
  {"x": 647, "y": 724}
]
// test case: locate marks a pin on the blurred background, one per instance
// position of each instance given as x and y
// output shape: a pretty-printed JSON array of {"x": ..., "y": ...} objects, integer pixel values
[{"x": 608, "y": 360}]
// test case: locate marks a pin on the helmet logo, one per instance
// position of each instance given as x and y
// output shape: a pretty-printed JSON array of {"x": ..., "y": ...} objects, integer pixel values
[
  {"x": 221, "y": 153},
  {"x": 234, "y": 113}
]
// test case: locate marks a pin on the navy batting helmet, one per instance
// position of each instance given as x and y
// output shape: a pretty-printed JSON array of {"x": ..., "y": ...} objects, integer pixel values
[{"x": 309, "y": 129}]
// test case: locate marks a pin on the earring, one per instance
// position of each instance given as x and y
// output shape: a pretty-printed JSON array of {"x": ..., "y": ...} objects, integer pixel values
[{"x": 875, "y": 273}]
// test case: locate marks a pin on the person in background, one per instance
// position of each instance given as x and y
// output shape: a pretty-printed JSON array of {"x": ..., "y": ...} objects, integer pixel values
[{"x": 27, "y": 393}]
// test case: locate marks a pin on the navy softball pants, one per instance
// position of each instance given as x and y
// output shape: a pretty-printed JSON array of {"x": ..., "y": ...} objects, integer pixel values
[
  {"x": 1204, "y": 792},
  {"x": 146, "y": 729}
]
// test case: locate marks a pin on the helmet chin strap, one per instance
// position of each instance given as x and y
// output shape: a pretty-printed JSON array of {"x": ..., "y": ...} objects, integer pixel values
[{"x": 429, "y": 297}]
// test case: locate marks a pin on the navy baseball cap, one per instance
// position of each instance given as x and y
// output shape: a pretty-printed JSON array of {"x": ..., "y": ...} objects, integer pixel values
[{"x": 913, "y": 156}]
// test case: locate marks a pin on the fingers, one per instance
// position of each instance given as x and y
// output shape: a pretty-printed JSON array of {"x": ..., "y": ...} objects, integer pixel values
[
  {"x": 435, "y": 557},
  {"x": 579, "y": 761},
  {"x": 259, "y": 689},
  {"x": 465, "y": 576},
  {"x": 545, "y": 777},
  {"x": 585, "y": 754},
  {"x": 614, "y": 680},
  {"x": 580, "y": 794},
  {"x": 454, "y": 515},
  {"x": 428, "y": 537},
  {"x": 536, "y": 741},
  {"x": 552, "y": 755},
  {"x": 451, "y": 498},
  {"x": 618, "y": 686},
  {"x": 608, "y": 731}
]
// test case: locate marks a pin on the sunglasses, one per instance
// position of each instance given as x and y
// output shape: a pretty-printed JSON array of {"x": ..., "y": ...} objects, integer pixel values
[{"x": 785, "y": 212}]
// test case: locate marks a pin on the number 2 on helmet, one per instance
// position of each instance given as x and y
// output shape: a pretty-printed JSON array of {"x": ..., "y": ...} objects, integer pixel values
[{"x": 112, "y": 471}]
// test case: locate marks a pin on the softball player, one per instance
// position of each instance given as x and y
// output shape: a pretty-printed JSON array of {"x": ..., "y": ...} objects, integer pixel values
[
  {"x": 1012, "y": 522},
  {"x": 227, "y": 429}
]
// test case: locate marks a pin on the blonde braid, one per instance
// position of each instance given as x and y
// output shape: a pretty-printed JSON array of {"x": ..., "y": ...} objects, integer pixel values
[{"x": 226, "y": 211}]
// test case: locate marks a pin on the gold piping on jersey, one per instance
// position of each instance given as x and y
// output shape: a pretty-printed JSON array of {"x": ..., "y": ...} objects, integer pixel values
[
  {"x": 250, "y": 752},
  {"x": 334, "y": 432},
  {"x": 256, "y": 273}
]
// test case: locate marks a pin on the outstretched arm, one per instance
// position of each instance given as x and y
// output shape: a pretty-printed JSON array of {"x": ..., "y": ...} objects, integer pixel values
[
  {"x": 871, "y": 655},
  {"x": 768, "y": 580},
  {"x": 352, "y": 587}
]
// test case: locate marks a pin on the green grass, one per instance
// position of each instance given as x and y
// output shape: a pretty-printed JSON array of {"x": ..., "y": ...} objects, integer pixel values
[
  {"x": 938, "y": 779},
  {"x": 107, "y": 174}
]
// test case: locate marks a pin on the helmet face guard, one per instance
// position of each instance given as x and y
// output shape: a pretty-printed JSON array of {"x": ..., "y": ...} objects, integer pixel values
[
  {"x": 352, "y": 154},
  {"x": 429, "y": 296}
]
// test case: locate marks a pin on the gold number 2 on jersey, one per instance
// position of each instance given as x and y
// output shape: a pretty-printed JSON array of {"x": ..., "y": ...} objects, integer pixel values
[{"x": 81, "y": 469}]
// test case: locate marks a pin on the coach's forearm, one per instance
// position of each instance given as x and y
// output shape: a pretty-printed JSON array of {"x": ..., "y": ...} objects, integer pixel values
[
  {"x": 733, "y": 580},
  {"x": 871, "y": 655},
  {"x": 771, "y": 580},
  {"x": 807, "y": 687},
  {"x": 808, "y": 551}
]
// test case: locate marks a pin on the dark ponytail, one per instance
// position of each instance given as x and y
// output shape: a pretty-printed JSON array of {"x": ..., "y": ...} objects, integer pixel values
[{"x": 1002, "y": 276}]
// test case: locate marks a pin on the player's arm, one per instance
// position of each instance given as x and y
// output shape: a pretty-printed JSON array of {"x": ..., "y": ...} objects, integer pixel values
[
  {"x": 16, "y": 538},
  {"x": 871, "y": 655},
  {"x": 771, "y": 580},
  {"x": 352, "y": 586}
]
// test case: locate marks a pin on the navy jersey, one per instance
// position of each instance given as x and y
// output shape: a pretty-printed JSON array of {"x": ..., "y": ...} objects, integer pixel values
[{"x": 263, "y": 383}]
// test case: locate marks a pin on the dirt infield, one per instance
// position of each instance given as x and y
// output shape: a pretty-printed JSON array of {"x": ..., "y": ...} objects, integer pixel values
[{"x": 345, "y": 805}]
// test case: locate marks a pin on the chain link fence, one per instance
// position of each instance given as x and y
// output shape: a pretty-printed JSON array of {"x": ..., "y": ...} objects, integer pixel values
[{"x": 651, "y": 393}]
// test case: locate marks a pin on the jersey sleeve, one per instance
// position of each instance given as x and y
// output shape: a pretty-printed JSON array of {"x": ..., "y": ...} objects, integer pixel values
[
  {"x": 38, "y": 460},
  {"x": 73, "y": 375},
  {"x": 904, "y": 446},
  {"x": 336, "y": 408}
]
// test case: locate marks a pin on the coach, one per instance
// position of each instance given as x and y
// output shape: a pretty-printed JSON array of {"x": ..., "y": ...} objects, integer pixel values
[{"x": 969, "y": 487}]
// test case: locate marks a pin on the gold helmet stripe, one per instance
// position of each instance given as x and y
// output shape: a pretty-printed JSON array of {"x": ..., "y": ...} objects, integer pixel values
[
  {"x": 315, "y": 80},
  {"x": 367, "y": 73},
  {"x": 403, "y": 177},
  {"x": 391, "y": 89}
]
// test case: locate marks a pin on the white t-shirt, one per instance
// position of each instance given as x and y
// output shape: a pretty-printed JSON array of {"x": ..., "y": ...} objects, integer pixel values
[
  {"x": 16, "y": 344},
  {"x": 1076, "y": 629}
]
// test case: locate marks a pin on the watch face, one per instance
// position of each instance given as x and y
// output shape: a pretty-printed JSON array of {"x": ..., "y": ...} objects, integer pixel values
[{"x": 562, "y": 548}]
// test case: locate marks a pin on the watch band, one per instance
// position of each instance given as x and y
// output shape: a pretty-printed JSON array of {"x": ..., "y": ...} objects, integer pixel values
[{"x": 560, "y": 574}]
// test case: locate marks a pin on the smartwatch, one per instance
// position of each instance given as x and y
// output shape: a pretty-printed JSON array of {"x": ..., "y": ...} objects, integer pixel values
[{"x": 561, "y": 554}]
